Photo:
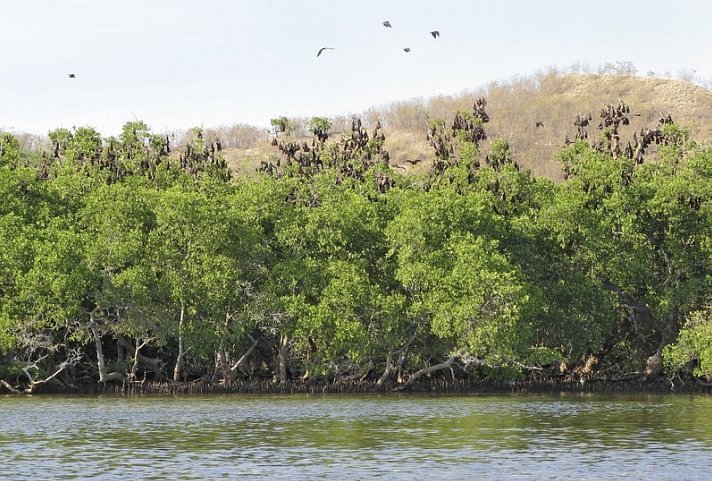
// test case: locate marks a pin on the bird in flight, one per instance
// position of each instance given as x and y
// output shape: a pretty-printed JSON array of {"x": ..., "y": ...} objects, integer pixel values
[
  {"x": 71, "y": 75},
  {"x": 387, "y": 24},
  {"x": 322, "y": 49},
  {"x": 435, "y": 34},
  {"x": 406, "y": 50},
  {"x": 539, "y": 123}
]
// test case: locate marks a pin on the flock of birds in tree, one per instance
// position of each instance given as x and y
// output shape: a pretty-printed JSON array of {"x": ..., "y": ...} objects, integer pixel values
[
  {"x": 351, "y": 156},
  {"x": 357, "y": 152},
  {"x": 117, "y": 159},
  {"x": 435, "y": 34},
  {"x": 202, "y": 156},
  {"x": 612, "y": 117}
]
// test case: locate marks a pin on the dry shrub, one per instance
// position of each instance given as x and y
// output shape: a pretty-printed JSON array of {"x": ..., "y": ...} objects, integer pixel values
[
  {"x": 239, "y": 136},
  {"x": 32, "y": 142}
]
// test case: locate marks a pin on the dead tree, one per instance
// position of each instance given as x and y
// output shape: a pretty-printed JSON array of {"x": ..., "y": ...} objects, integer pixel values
[{"x": 41, "y": 356}]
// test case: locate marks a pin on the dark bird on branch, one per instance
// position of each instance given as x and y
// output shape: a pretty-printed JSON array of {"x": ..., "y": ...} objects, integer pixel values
[
  {"x": 387, "y": 24},
  {"x": 435, "y": 34},
  {"x": 406, "y": 50},
  {"x": 71, "y": 75},
  {"x": 322, "y": 49}
]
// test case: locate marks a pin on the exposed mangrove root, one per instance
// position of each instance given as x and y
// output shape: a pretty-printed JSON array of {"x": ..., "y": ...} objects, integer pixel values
[{"x": 431, "y": 386}]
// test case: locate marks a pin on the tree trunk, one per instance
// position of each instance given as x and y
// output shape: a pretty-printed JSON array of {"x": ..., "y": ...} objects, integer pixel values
[
  {"x": 282, "y": 359},
  {"x": 10, "y": 387},
  {"x": 402, "y": 353},
  {"x": 140, "y": 343},
  {"x": 178, "y": 369},
  {"x": 244, "y": 357},
  {"x": 120, "y": 353},
  {"x": 104, "y": 377},
  {"x": 670, "y": 330},
  {"x": 223, "y": 366},
  {"x": 222, "y": 362},
  {"x": 155, "y": 364},
  {"x": 653, "y": 365},
  {"x": 387, "y": 371}
]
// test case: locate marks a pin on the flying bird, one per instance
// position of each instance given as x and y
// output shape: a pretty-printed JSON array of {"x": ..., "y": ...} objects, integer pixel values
[
  {"x": 322, "y": 49},
  {"x": 387, "y": 24},
  {"x": 435, "y": 34},
  {"x": 539, "y": 123},
  {"x": 71, "y": 75},
  {"x": 406, "y": 50}
]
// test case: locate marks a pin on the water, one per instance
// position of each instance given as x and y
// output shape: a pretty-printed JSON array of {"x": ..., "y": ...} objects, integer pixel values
[{"x": 520, "y": 437}]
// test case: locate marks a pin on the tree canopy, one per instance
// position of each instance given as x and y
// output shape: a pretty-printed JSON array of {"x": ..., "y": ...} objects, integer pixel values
[{"x": 125, "y": 261}]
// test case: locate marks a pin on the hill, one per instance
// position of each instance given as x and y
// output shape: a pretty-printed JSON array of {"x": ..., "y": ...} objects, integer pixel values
[{"x": 552, "y": 98}]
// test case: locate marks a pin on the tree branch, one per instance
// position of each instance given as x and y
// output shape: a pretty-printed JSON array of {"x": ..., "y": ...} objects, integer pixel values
[
  {"x": 10, "y": 387},
  {"x": 417, "y": 375},
  {"x": 246, "y": 355}
]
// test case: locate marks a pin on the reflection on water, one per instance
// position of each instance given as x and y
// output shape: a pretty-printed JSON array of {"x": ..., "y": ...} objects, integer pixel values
[{"x": 523, "y": 437}]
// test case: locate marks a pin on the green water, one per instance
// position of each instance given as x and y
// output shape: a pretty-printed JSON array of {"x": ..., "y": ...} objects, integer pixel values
[{"x": 522, "y": 437}]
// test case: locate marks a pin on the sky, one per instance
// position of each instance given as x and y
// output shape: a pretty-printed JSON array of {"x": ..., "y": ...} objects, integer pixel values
[{"x": 176, "y": 64}]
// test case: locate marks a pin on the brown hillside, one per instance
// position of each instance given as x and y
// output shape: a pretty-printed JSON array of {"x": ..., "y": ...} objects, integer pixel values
[{"x": 514, "y": 107}]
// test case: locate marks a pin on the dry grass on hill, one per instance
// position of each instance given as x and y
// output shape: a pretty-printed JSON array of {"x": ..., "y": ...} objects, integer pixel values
[{"x": 514, "y": 107}]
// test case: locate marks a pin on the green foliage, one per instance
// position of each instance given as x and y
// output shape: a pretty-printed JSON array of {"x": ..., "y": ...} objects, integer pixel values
[
  {"x": 476, "y": 304},
  {"x": 133, "y": 139},
  {"x": 318, "y": 125},
  {"x": 85, "y": 145},
  {"x": 349, "y": 268},
  {"x": 281, "y": 125},
  {"x": 61, "y": 139},
  {"x": 10, "y": 153},
  {"x": 694, "y": 345}
]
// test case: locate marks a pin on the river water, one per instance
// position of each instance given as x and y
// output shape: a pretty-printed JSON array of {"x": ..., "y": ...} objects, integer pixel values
[{"x": 519, "y": 437}]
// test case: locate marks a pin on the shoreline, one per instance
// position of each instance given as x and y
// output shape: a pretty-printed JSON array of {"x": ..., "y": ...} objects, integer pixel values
[{"x": 436, "y": 387}]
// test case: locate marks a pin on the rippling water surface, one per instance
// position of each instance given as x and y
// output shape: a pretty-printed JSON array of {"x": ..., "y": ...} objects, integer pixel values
[{"x": 522, "y": 437}]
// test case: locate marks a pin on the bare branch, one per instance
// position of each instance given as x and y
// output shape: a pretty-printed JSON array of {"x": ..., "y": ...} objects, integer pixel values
[
  {"x": 246, "y": 355},
  {"x": 427, "y": 370}
]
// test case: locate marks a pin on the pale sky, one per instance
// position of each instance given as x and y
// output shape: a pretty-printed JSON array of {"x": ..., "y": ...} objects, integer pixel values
[{"x": 177, "y": 63}]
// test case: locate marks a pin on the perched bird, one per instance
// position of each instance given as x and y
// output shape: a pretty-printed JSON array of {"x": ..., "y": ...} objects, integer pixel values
[
  {"x": 435, "y": 34},
  {"x": 322, "y": 49},
  {"x": 387, "y": 24},
  {"x": 406, "y": 50},
  {"x": 71, "y": 75}
]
